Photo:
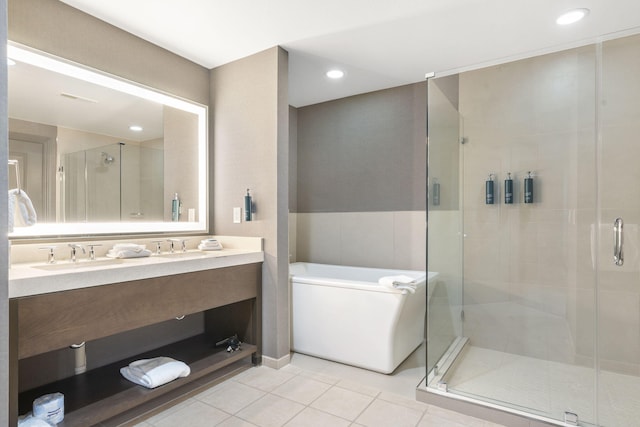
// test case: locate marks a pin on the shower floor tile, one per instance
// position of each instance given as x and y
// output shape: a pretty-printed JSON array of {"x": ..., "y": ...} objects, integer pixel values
[{"x": 545, "y": 387}]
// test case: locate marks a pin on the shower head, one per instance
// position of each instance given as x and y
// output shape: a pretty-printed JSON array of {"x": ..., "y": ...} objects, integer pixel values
[{"x": 106, "y": 158}]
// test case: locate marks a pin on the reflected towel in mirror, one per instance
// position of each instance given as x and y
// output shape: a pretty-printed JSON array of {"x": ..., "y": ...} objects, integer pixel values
[{"x": 21, "y": 211}]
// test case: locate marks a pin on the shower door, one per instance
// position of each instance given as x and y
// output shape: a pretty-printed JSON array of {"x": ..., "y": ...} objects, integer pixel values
[{"x": 618, "y": 295}]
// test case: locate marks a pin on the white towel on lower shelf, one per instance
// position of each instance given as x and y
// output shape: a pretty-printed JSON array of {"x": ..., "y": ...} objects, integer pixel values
[{"x": 152, "y": 373}]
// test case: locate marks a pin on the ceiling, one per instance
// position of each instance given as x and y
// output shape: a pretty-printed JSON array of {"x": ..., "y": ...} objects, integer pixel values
[{"x": 379, "y": 44}]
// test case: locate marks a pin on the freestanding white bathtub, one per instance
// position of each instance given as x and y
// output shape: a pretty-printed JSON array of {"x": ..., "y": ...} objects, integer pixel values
[{"x": 343, "y": 314}]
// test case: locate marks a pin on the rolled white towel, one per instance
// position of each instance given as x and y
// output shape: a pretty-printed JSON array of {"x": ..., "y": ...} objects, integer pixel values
[
  {"x": 400, "y": 282},
  {"x": 152, "y": 373},
  {"x": 21, "y": 211}
]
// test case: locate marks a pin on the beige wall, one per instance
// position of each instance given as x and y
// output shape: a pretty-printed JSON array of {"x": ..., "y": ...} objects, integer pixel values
[
  {"x": 4, "y": 291},
  {"x": 249, "y": 113},
  {"x": 54, "y": 27}
]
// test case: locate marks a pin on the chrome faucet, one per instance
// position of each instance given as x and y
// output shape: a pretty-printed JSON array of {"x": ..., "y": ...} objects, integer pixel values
[
  {"x": 173, "y": 241},
  {"x": 92, "y": 252},
  {"x": 73, "y": 247},
  {"x": 52, "y": 256}
]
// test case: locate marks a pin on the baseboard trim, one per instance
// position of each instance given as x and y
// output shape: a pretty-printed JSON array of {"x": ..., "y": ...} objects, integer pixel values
[{"x": 276, "y": 363}]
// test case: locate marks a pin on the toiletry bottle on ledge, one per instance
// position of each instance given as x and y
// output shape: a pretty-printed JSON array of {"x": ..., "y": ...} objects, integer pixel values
[{"x": 175, "y": 208}]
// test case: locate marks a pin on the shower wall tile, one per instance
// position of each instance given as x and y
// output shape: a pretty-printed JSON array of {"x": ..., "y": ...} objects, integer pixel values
[
  {"x": 619, "y": 323},
  {"x": 318, "y": 238},
  {"x": 526, "y": 259},
  {"x": 368, "y": 239},
  {"x": 409, "y": 239}
]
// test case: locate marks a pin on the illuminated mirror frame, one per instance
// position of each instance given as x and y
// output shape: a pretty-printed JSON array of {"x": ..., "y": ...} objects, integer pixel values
[{"x": 43, "y": 60}]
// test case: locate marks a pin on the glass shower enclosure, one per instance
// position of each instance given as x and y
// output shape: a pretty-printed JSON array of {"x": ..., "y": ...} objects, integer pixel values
[{"x": 537, "y": 305}]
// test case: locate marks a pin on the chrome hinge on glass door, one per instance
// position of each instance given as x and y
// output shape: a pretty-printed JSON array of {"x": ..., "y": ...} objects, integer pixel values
[{"x": 618, "y": 256}]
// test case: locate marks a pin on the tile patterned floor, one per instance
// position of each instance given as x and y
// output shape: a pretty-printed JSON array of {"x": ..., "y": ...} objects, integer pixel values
[{"x": 311, "y": 392}]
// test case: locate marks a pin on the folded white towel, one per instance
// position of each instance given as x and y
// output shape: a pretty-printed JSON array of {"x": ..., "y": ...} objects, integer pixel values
[
  {"x": 31, "y": 421},
  {"x": 210, "y": 245},
  {"x": 21, "y": 211},
  {"x": 129, "y": 246},
  {"x": 128, "y": 253},
  {"x": 152, "y": 373}
]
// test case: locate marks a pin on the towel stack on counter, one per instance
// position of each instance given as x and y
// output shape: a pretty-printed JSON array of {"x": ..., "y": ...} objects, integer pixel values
[
  {"x": 209, "y": 245},
  {"x": 152, "y": 373},
  {"x": 128, "y": 250}
]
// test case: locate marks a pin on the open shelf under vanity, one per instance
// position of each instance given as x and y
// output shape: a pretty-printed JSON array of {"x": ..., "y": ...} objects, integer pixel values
[
  {"x": 102, "y": 393},
  {"x": 220, "y": 303}
]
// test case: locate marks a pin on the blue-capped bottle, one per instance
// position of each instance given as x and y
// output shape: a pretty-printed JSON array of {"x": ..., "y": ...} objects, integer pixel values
[
  {"x": 508, "y": 190},
  {"x": 436, "y": 192},
  {"x": 247, "y": 206},
  {"x": 528, "y": 188},
  {"x": 489, "y": 190}
]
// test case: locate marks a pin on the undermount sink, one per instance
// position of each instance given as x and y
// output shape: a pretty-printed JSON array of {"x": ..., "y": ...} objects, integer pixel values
[
  {"x": 196, "y": 254},
  {"x": 79, "y": 264}
]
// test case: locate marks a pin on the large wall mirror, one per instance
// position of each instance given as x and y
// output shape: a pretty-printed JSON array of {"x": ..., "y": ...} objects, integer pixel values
[{"x": 100, "y": 155}]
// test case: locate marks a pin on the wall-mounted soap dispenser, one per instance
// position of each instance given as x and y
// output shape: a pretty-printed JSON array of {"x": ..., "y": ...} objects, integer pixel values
[
  {"x": 508, "y": 190},
  {"x": 528, "y": 188},
  {"x": 489, "y": 190},
  {"x": 436, "y": 192},
  {"x": 248, "y": 206}
]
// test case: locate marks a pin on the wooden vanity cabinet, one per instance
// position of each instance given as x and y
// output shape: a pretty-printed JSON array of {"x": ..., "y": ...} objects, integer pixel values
[{"x": 229, "y": 297}]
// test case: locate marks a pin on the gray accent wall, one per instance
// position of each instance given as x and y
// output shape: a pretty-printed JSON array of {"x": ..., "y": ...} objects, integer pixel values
[
  {"x": 249, "y": 124},
  {"x": 365, "y": 153}
]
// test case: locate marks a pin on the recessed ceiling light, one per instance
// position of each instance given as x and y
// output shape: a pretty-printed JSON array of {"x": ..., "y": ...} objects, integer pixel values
[
  {"x": 335, "y": 74},
  {"x": 135, "y": 128},
  {"x": 572, "y": 16}
]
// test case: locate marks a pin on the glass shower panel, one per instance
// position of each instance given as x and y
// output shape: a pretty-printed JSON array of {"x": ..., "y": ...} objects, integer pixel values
[
  {"x": 444, "y": 301},
  {"x": 618, "y": 294},
  {"x": 528, "y": 273},
  {"x": 103, "y": 183},
  {"x": 74, "y": 194}
]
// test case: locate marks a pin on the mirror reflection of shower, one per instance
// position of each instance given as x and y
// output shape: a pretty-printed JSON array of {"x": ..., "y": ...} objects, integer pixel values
[
  {"x": 116, "y": 182},
  {"x": 107, "y": 159}
]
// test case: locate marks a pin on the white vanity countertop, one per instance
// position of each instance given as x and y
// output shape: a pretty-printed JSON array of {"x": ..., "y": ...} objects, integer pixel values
[{"x": 27, "y": 279}]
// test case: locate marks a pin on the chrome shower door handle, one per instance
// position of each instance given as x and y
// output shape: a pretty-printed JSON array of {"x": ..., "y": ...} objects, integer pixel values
[{"x": 618, "y": 242}]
